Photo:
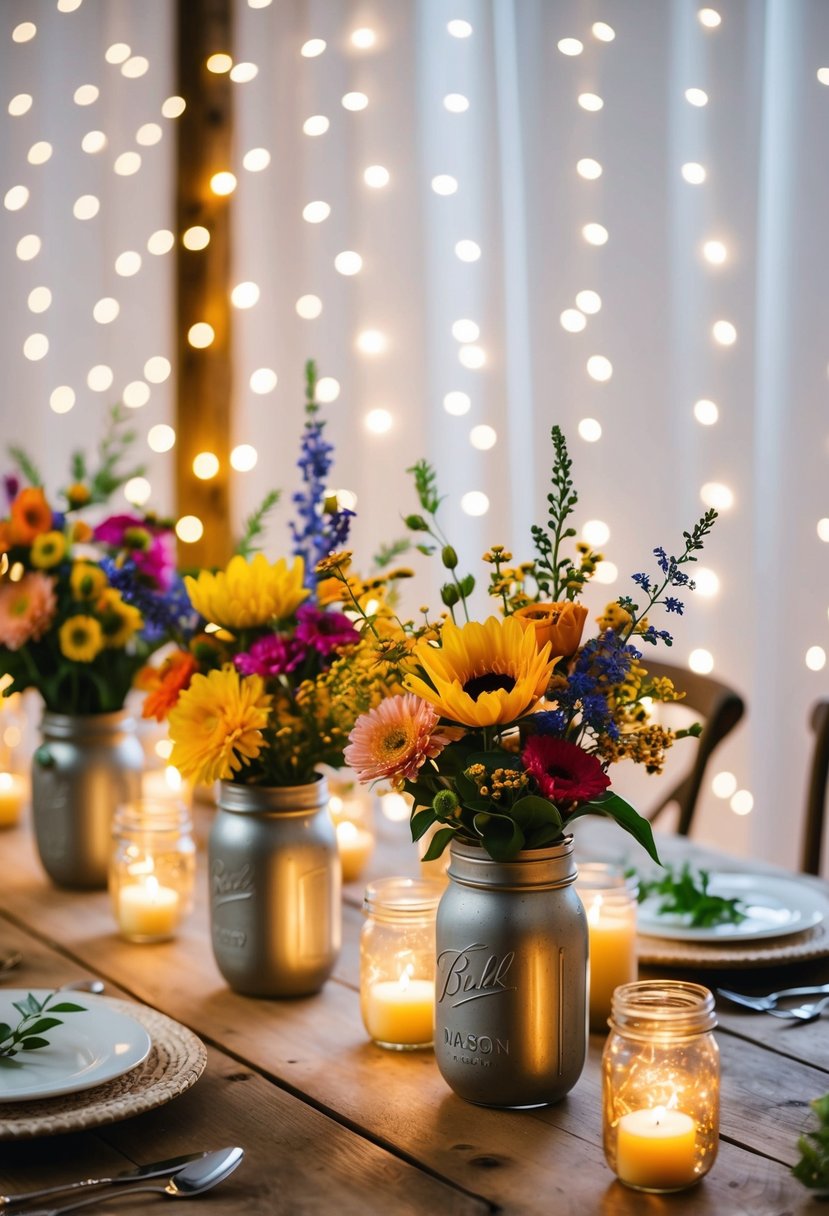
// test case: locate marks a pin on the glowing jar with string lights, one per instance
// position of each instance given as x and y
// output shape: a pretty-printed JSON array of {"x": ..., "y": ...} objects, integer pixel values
[
  {"x": 661, "y": 1085},
  {"x": 152, "y": 868},
  {"x": 609, "y": 899},
  {"x": 397, "y": 962}
]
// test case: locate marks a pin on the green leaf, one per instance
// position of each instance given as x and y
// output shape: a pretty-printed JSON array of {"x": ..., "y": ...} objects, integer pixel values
[
  {"x": 616, "y": 808},
  {"x": 42, "y": 1025},
  {"x": 467, "y": 584},
  {"x": 439, "y": 842},
  {"x": 5, "y": 1031},
  {"x": 532, "y": 811},
  {"x": 421, "y": 822},
  {"x": 28, "y": 1006},
  {"x": 255, "y": 525},
  {"x": 26, "y": 465},
  {"x": 501, "y": 836},
  {"x": 67, "y": 1007},
  {"x": 540, "y": 837},
  {"x": 33, "y": 1044}
]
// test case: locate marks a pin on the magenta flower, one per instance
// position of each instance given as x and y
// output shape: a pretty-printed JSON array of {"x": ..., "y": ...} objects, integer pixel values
[
  {"x": 149, "y": 546},
  {"x": 322, "y": 631},
  {"x": 270, "y": 656},
  {"x": 562, "y": 771}
]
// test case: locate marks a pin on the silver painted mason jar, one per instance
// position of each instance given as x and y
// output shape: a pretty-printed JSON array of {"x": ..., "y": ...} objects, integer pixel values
[
  {"x": 86, "y": 765},
  {"x": 275, "y": 915},
  {"x": 511, "y": 994}
]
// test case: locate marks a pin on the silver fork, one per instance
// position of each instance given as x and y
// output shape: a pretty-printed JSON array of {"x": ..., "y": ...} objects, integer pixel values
[
  {"x": 764, "y": 1003},
  {"x": 801, "y": 1013}
]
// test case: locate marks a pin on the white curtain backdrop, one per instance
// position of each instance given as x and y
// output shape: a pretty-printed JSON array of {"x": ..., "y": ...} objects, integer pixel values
[{"x": 746, "y": 246}]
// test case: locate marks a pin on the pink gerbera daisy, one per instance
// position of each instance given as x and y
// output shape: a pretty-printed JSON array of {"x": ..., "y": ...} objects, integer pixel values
[
  {"x": 395, "y": 739},
  {"x": 562, "y": 771},
  {"x": 27, "y": 608}
]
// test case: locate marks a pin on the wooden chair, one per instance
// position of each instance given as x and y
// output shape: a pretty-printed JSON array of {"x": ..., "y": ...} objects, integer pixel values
[
  {"x": 719, "y": 708},
  {"x": 816, "y": 793}
]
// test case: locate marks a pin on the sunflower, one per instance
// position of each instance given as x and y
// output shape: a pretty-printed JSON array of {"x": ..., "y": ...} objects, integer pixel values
[
  {"x": 30, "y": 515},
  {"x": 119, "y": 620},
  {"x": 81, "y": 638},
  {"x": 248, "y": 593},
  {"x": 87, "y": 580},
  {"x": 48, "y": 549},
  {"x": 217, "y": 723},
  {"x": 483, "y": 674}
]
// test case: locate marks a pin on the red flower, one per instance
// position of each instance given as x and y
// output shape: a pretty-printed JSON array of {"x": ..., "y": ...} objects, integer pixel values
[{"x": 562, "y": 771}]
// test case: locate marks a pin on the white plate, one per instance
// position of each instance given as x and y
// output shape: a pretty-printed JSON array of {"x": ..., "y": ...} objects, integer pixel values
[
  {"x": 775, "y": 907},
  {"x": 85, "y": 1050}
]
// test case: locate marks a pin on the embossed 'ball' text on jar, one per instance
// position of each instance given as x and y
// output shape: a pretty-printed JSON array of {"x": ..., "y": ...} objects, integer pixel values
[
  {"x": 275, "y": 915},
  {"x": 510, "y": 1012}
]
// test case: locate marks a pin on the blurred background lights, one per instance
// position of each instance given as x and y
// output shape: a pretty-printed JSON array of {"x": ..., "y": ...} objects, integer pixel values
[
  {"x": 136, "y": 394},
  {"x": 189, "y": 529},
  {"x": 606, "y": 573},
  {"x": 455, "y": 103},
  {"x": 742, "y": 803},
  {"x": 312, "y": 48},
  {"x": 223, "y": 183},
  {"x": 595, "y": 234},
  {"x": 588, "y": 168},
  {"x": 572, "y": 320},
  {"x": 694, "y": 173},
  {"x": 444, "y": 183},
  {"x": 86, "y": 94},
  {"x": 157, "y": 369},
  {"x": 724, "y": 784},
  {"x": 328, "y": 389},
  {"x": 599, "y": 368},
  {"x": 716, "y": 495},
  {"x": 591, "y": 102},
  {"x": 696, "y": 97},
  {"x": 206, "y": 465},
  {"x": 473, "y": 357},
  {"x": 148, "y": 135},
  {"x": 376, "y": 176},
  {"x": 256, "y": 160},
  {"x": 816, "y": 658},
  {"x": 36, "y": 347},
  {"x": 823, "y": 529},
  {"x": 316, "y": 212},
  {"x": 196, "y": 237},
  {"x": 714, "y": 252},
  {"x": 706, "y": 412},
  {"x": 457, "y": 403},
  {"x": 371, "y": 342},
  {"x": 100, "y": 378},
  {"x": 135, "y": 67},
  {"x": 707, "y": 582},
  {"x": 21, "y": 103},
  {"x": 94, "y": 141},
  {"x": 243, "y": 457},
  {"x": 200, "y": 335},
  {"x": 724, "y": 333},
  {"x": 603, "y": 31},
  {"x": 596, "y": 533},
  {"x": 39, "y": 299},
  {"x": 39, "y": 153},
  {"x": 219, "y": 63},
  {"x": 348, "y": 262},
  {"x": 263, "y": 380},
  {"x": 589, "y": 302},
  {"x": 24, "y": 32},
  {"x": 137, "y": 491},
  {"x": 475, "y": 502},
  {"x": 244, "y": 295},
  {"x": 309, "y": 307},
  {"x": 823, "y": 75},
  {"x": 317, "y": 124},
  {"x": 363, "y": 38},
  {"x": 15, "y": 198},
  {"x": 161, "y": 437},
  {"x": 466, "y": 331},
  {"x": 709, "y": 17},
  {"x": 173, "y": 107},
  {"x": 62, "y": 399},
  {"x": 160, "y": 242},
  {"x": 378, "y": 421},
  {"x": 701, "y": 661},
  {"x": 590, "y": 430},
  {"x": 468, "y": 251},
  {"x": 28, "y": 247},
  {"x": 119, "y": 52},
  {"x": 395, "y": 807},
  {"x": 128, "y": 263},
  {"x": 570, "y": 46},
  {"x": 354, "y": 101},
  {"x": 483, "y": 437},
  {"x": 459, "y": 29},
  {"x": 346, "y": 500}
]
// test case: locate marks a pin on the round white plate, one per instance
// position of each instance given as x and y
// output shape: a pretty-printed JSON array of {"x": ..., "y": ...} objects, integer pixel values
[
  {"x": 775, "y": 907},
  {"x": 85, "y": 1050}
]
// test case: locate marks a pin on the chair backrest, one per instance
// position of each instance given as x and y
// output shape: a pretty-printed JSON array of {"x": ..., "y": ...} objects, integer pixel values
[
  {"x": 816, "y": 792},
  {"x": 720, "y": 708}
]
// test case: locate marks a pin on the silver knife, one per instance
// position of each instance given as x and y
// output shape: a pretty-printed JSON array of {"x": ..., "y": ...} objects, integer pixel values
[{"x": 157, "y": 1170}]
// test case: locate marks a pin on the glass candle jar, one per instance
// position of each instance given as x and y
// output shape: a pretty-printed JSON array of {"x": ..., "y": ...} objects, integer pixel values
[
  {"x": 397, "y": 962},
  {"x": 152, "y": 869},
  {"x": 609, "y": 899},
  {"x": 661, "y": 1085},
  {"x": 352, "y": 809}
]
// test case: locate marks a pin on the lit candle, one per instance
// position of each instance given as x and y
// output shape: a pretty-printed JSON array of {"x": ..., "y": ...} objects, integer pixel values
[
  {"x": 401, "y": 1012},
  {"x": 611, "y": 924},
  {"x": 656, "y": 1149},
  {"x": 355, "y": 845},
  {"x": 12, "y": 797},
  {"x": 165, "y": 785},
  {"x": 146, "y": 910}
]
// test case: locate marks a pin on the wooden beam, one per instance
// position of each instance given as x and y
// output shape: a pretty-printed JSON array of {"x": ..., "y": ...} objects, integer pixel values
[{"x": 204, "y": 385}]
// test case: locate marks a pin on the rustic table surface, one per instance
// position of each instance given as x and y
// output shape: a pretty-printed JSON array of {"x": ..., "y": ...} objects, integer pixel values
[{"x": 331, "y": 1123}]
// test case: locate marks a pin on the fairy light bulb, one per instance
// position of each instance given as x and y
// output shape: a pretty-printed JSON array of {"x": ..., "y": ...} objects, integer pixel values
[
  {"x": 328, "y": 390},
  {"x": 161, "y": 437},
  {"x": 724, "y": 333},
  {"x": 243, "y": 457},
  {"x": 376, "y": 176},
  {"x": 457, "y": 403},
  {"x": 696, "y": 97},
  {"x": 354, "y": 101},
  {"x": 717, "y": 496},
  {"x": 243, "y": 73},
  {"x": 371, "y": 342},
  {"x": 714, "y": 252},
  {"x": 694, "y": 173},
  {"x": 62, "y": 399},
  {"x": 316, "y": 212},
  {"x": 263, "y": 380},
  {"x": 136, "y": 394},
  {"x": 36, "y": 347},
  {"x": 456, "y": 103},
  {"x": 588, "y": 168},
  {"x": 206, "y": 465},
  {"x": 444, "y": 184},
  {"x": 136, "y": 66},
  {"x": 220, "y": 63},
  {"x": 570, "y": 46},
  {"x": 589, "y": 302},
  {"x": 128, "y": 263},
  {"x": 363, "y": 39},
  {"x": 467, "y": 251},
  {"x": 590, "y": 102},
  {"x": 599, "y": 368},
  {"x": 196, "y": 237},
  {"x": 466, "y": 330},
  {"x": 201, "y": 335},
  {"x": 189, "y": 529},
  {"x": 483, "y": 437},
  {"x": 157, "y": 369},
  {"x": 312, "y": 48},
  {"x": 118, "y": 53},
  {"x": 223, "y": 183},
  {"x": 86, "y": 95},
  {"x": 245, "y": 295},
  {"x": 256, "y": 160},
  {"x": 173, "y": 107},
  {"x": 308, "y": 307},
  {"x": 590, "y": 430},
  {"x": 348, "y": 263},
  {"x": 706, "y": 412},
  {"x": 475, "y": 502},
  {"x": 100, "y": 378},
  {"x": 93, "y": 141},
  {"x": 378, "y": 421},
  {"x": 28, "y": 247},
  {"x": 137, "y": 491},
  {"x": 572, "y": 320},
  {"x": 317, "y": 124},
  {"x": 595, "y": 234},
  {"x": 39, "y": 299}
]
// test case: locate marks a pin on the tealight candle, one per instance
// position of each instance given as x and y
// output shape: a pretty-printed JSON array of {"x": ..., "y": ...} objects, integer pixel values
[
  {"x": 352, "y": 809},
  {"x": 656, "y": 1149},
  {"x": 12, "y": 797},
  {"x": 148, "y": 912},
  {"x": 402, "y": 1013},
  {"x": 610, "y": 903},
  {"x": 355, "y": 846},
  {"x": 152, "y": 868}
]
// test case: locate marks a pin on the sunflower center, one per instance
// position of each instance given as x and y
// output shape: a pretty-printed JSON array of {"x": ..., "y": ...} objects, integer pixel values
[{"x": 491, "y": 682}]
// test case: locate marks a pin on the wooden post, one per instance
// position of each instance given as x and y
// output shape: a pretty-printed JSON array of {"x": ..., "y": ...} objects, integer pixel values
[{"x": 204, "y": 27}]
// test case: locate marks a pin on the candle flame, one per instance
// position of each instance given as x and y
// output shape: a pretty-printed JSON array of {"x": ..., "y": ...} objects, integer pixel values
[
  {"x": 152, "y": 887},
  {"x": 173, "y": 778},
  {"x": 594, "y": 911},
  {"x": 335, "y": 804},
  {"x": 659, "y": 1113},
  {"x": 6, "y": 781},
  {"x": 403, "y": 982}
]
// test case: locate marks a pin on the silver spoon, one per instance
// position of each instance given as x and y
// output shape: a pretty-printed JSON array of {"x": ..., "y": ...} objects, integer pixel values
[
  {"x": 801, "y": 1013},
  {"x": 200, "y": 1176}
]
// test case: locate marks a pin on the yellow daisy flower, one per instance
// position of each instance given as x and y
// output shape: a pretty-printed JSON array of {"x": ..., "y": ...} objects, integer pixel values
[
  {"x": 86, "y": 581},
  {"x": 248, "y": 593},
  {"x": 217, "y": 723},
  {"x": 483, "y": 674},
  {"x": 81, "y": 638},
  {"x": 48, "y": 549},
  {"x": 119, "y": 620}
]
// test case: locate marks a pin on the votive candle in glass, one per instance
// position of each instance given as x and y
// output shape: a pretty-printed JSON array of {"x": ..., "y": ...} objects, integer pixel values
[
  {"x": 397, "y": 962},
  {"x": 13, "y": 790},
  {"x": 352, "y": 809},
  {"x": 152, "y": 869},
  {"x": 661, "y": 1085},
  {"x": 609, "y": 899}
]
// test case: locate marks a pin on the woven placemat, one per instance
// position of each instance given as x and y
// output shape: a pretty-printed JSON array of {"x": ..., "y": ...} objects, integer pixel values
[
  {"x": 660, "y": 952},
  {"x": 176, "y": 1061}
]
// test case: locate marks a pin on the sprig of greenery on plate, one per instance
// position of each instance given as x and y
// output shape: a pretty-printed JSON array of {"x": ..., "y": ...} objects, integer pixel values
[
  {"x": 685, "y": 892},
  {"x": 27, "y": 1035}
]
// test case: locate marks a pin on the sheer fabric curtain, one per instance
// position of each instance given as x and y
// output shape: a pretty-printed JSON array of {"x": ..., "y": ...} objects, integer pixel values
[{"x": 475, "y": 138}]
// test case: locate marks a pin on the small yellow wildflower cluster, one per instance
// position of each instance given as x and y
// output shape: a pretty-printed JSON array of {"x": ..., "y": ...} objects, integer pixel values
[
  {"x": 501, "y": 784},
  {"x": 644, "y": 744}
]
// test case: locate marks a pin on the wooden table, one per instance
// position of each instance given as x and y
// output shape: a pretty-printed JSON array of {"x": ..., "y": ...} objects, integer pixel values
[{"x": 331, "y": 1123}]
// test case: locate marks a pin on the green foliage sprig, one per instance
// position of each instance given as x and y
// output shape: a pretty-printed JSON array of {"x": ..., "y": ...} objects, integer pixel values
[
  {"x": 557, "y": 576},
  {"x": 685, "y": 893},
  {"x": 254, "y": 527},
  {"x": 813, "y": 1167},
  {"x": 27, "y": 1035},
  {"x": 460, "y": 587}
]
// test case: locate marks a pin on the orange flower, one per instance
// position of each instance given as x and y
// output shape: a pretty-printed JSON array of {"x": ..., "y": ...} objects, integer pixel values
[
  {"x": 170, "y": 680},
  {"x": 81, "y": 531},
  {"x": 30, "y": 515},
  {"x": 559, "y": 624}
]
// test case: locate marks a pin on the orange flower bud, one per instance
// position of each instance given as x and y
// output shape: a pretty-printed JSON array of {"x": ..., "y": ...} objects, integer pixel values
[{"x": 560, "y": 624}]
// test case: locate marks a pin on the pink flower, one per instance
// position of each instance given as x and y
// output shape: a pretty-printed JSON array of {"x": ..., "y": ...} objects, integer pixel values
[
  {"x": 562, "y": 771},
  {"x": 27, "y": 609},
  {"x": 395, "y": 739},
  {"x": 270, "y": 656},
  {"x": 324, "y": 631},
  {"x": 149, "y": 545}
]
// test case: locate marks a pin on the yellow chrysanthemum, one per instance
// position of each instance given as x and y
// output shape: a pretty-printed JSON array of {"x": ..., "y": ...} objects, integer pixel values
[
  {"x": 81, "y": 638},
  {"x": 48, "y": 549},
  {"x": 217, "y": 725},
  {"x": 248, "y": 593},
  {"x": 87, "y": 581},
  {"x": 483, "y": 674},
  {"x": 119, "y": 620}
]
